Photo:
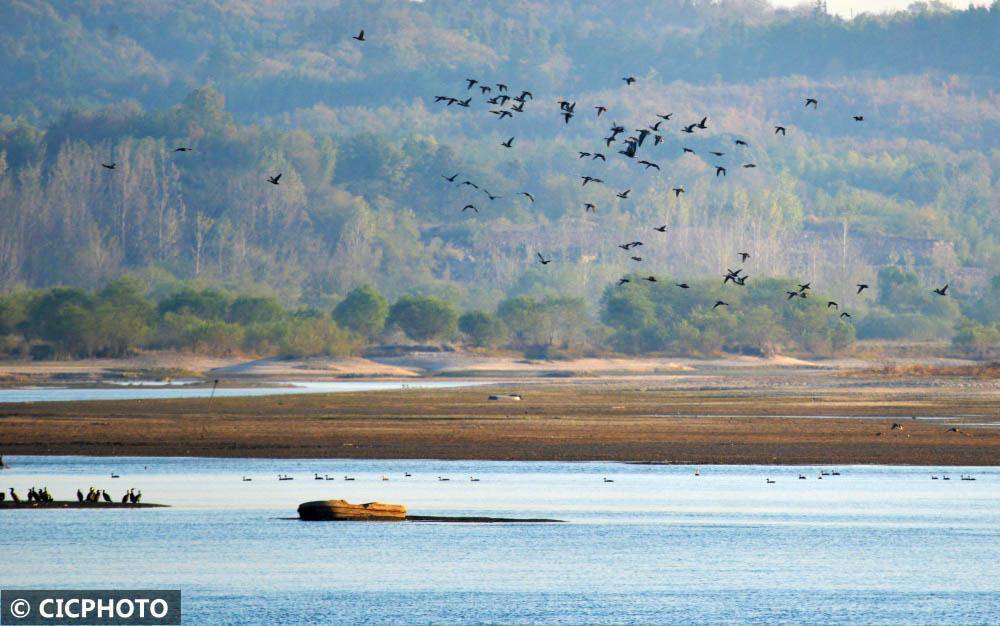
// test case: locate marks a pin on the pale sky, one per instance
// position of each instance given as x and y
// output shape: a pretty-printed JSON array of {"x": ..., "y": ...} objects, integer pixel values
[{"x": 844, "y": 7}]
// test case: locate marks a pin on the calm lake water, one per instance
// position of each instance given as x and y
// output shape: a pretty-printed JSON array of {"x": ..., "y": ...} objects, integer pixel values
[
  {"x": 156, "y": 390},
  {"x": 875, "y": 545}
]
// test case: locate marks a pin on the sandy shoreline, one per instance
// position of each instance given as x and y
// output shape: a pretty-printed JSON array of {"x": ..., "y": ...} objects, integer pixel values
[{"x": 739, "y": 417}]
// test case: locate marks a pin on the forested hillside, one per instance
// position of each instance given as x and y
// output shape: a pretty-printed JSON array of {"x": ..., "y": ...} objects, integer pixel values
[{"x": 905, "y": 201}]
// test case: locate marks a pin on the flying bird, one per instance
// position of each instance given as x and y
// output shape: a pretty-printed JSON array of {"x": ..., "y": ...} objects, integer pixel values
[
  {"x": 590, "y": 179},
  {"x": 719, "y": 303},
  {"x": 567, "y": 116},
  {"x": 629, "y": 80},
  {"x": 678, "y": 191},
  {"x": 651, "y": 279},
  {"x": 471, "y": 83},
  {"x": 485, "y": 89},
  {"x": 833, "y": 304},
  {"x": 749, "y": 166},
  {"x": 718, "y": 154},
  {"x": 470, "y": 184},
  {"x": 859, "y": 118},
  {"x": 636, "y": 258},
  {"x": 451, "y": 178},
  {"x": 623, "y": 194},
  {"x": 649, "y": 164},
  {"x": 542, "y": 259},
  {"x": 664, "y": 117},
  {"x": 943, "y": 291},
  {"x": 805, "y": 286},
  {"x": 661, "y": 229},
  {"x": 528, "y": 195},
  {"x": 740, "y": 142},
  {"x": 360, "y": 36},
  {"x": 780, "y": 129},
  {"x": 109, "y": 166},
  {"x": 861, "y": 287},
  {"x": 622, "y": 281},
  {"x": 683, "y": 285},
  {"x": 182, "y": 149},
  {"x": 598, "y": 155},
  {"x": 689, "y": 151},
  {"x": 601, "y": 110},
  {"x": 502, "y": 114},
  {"x": 703, "y": 124},
  {"x": 744, "y": 256},
  {"x": 502, "y": 87},
  {"x": 792, "y": 294},
  {"x": 508, "y": 144},
  {"x": 470, "y": 206},
  {"x": 813, "y": 101},
  {"x": 719, "y": 171},
  {"x": 590, "y": 207},
  {"x": 845, "y": 314},
  {"x": 491, "y": 196},
  {"x": 274, "y": 179}
]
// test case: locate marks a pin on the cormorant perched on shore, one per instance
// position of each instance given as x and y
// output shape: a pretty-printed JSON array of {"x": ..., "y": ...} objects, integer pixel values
[
  {"x": 14, "y": 496},
  {"x": 107, "y": 498},
  {"x": 79, "y": 496}
]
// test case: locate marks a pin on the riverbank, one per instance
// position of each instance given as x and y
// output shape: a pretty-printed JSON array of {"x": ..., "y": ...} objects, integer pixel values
[{"x": 742, "y": 416}]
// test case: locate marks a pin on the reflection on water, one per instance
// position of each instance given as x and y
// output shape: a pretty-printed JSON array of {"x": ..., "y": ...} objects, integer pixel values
[
  {"x": 874, "y": 545},
  {"x": 127, "y": 392}
]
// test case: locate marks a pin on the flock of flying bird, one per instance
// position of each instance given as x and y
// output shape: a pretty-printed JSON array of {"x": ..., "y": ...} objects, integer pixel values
[
  {"x": 500, "y": 96},
  {"x": 630, "y": 146}
]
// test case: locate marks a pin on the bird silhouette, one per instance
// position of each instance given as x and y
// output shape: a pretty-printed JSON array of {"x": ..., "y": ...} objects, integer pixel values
[
  {"x": 360, "y": 36},
  {"x": 274, "y": 179},
  {"x": 719, "y": 303},
  {"x": 703, "y": 124},
  {"x": 779, "y": 129},
  {"x": 719, "y": 171},
  {"x": 590, "y": 207},
  {"x": 109, "y": 166},
  {"x": 832, "y": 304},
  {"x": 629, "y": 80},
  {"x": 470, "y": 206},
  {"x": 689, "y": 151},
  {"x": 664, "y": 117},
  {"x": 651, "y": 279},
  {"x": 813, "y": 101},
  {"x": 542, "y": 259},
  {"x": 451, "y": 178},
  {"x": 508, "y": 144},
  {"x": 470, "y": 184},
  {"x": 485, "y": 89},
  {"x": 491, "y": 196},
  {"x": 502, "y": 114},
  {"x": 805, "y": 286},
  {"x": 622, "y": 281},
  {"x": 528, "y": 195},
  {"x": 649, "y": 164},
  {"x": 861, "y": 287},
  {"x": 845, "y": 314},
  {"x": 501, "y": 87},
  {"x": 590, "y": 179},
  {"x": 718, "y": 154},
  {"x": 749, "y": 166},
  {"x": 661, "y": 229},
  {"x": 689, "y": 129},
  {"x": 859, "y": 118},
  {"x": 598, "y": 155},
  {"x": 182, "y": 149},
  {"x": 792, "y": 294},
  {"x": 601, "y": 110},
  {"x": 520, "y": 109},
  {"x": 943, "y": 291},
  {"x": 471, "y": 82},
  {"x": 740, "y": 142},
  {"x": 584, "y": 154},
  {"x": 678, "y": 191},
  {"x": 683, "y": 285},
  {"x": 744, "y": 256},
  {"x": 623, "y": 194},
  {"x": 636, "y": 258}
]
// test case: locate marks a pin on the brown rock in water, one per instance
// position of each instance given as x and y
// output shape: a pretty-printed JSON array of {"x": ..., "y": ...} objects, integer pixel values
[{"x": 332, "y": 510}]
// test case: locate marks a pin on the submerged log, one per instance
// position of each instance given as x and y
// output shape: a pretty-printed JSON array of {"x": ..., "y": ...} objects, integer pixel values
[
  {"x": 326, "y": 510},
  {"x": 73, "y": 504}
]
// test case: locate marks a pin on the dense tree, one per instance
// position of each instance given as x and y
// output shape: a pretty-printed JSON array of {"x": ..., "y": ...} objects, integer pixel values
[
  {"x": 483, "y": 329},
  {"x": 363, "y": 311},
  {"x": 424, "y": 317}
]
